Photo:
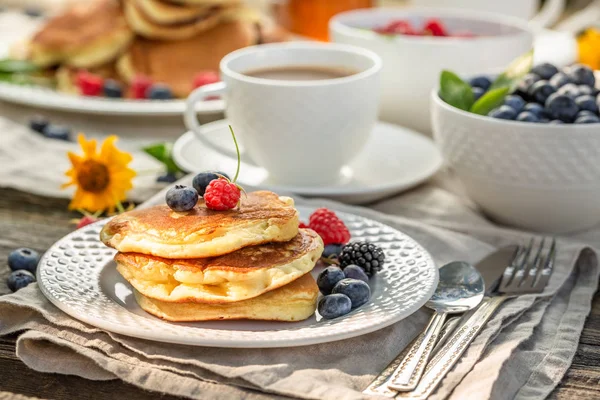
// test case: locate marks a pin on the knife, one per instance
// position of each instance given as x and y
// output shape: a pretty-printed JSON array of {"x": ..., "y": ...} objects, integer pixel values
[{"x": 491, "y": 269}]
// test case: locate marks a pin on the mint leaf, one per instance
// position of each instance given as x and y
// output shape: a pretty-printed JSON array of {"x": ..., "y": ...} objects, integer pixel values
[
  {"x": 163, "y": 153},
  {"x": 515, "y": 72},
  {"x": 491, "y": 99},
  {"x": 455, "y": 91},
  {"x": 11, "y": 66}
]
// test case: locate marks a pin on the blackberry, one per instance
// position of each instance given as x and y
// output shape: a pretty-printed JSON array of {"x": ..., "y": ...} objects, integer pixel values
[{"x": 364, "y": 254}]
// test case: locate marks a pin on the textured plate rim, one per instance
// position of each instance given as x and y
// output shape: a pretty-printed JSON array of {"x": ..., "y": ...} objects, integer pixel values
[{"x": 225, "y": 343}]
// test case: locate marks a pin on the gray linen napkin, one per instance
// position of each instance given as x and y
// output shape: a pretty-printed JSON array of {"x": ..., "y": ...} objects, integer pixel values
[{"x": 522, "y": 353}]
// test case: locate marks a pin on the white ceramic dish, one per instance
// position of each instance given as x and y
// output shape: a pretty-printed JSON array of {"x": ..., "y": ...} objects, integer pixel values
[
  {"x": 412, "y": 64},
  {"x": 77, "y": 275},
  {"x": 541, "y": 177},
  {"x": 394, "y": 159},
  {"x": 37, "y": 96}
]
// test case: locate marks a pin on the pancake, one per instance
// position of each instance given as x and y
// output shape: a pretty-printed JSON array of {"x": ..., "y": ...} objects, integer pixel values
[
  {"x": 262, "y": 217},
  {"x": 167, "y": 13},
  {"x": 237, "y": 276},
  {"x": 293, "y": 302},
  {"x": 88, "y": 35},
  {"x": 177, "y": 63}
]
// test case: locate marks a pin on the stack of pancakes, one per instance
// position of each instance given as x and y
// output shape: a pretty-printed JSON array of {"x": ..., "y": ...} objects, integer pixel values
[
  {"x": 247, "y": 263},
  {"x": 168, "y": 41}
]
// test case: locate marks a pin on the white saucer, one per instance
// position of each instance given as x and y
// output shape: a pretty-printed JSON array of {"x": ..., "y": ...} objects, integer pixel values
[{"x": 394, "y": 159}]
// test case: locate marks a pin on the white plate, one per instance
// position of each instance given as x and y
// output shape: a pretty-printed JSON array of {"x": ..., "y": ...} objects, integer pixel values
[
  {"x": 394, "y": 159},
  {"x": 37, "y": 96},
  {"x": 77, "y": 275}
]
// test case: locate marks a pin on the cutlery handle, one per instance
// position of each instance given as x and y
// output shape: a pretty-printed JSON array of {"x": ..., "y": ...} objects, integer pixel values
[
  {"x": 406, "y": 377},
  {"x": 456, "y": 345}
]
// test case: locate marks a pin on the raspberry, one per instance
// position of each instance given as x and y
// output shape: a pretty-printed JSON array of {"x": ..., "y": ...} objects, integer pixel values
[
  {"x": 86, "y": 220},
  {"x": 89, "y": 84},
  {"x": 139, "y": 85},
  {"x": 401, "y": 28},
  {"x": 303, "y": 225},
  {"x": 329, "y": 227},
  {"x": 435, "y": 27},
  {"x": 205, "y": 78},
  {"x": 221, "y": 194}
]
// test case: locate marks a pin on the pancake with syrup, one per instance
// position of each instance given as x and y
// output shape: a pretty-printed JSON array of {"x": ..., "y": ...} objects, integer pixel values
[
  {"x": 295, "y": 301},
  {"x": 186, "y": 58},
  {"x": 262, "y": 217},
  {"x": 233, "y": 277},
  {"x": 89, "y": 34}
]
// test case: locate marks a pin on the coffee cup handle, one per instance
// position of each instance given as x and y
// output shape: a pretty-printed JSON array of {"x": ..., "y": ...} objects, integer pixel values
[{"x": 191, "y": 119}]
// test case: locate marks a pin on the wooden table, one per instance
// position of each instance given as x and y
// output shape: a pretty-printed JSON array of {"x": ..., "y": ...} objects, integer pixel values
[{"x": 37, "y": 222}]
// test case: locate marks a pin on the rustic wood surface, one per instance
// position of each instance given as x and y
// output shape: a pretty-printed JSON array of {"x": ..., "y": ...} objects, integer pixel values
[{"x": 37, "y": 222}]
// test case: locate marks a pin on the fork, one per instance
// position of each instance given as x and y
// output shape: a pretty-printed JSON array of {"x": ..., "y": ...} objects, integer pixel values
[{"x": 528, "y": 273}]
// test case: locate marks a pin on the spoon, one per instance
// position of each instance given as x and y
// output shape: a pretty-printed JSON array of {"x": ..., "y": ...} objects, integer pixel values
[{"x": 461, "y": 288}]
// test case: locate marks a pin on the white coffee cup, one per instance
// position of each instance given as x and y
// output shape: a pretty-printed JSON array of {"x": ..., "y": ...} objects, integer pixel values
[{"x": 302, "y": 132}]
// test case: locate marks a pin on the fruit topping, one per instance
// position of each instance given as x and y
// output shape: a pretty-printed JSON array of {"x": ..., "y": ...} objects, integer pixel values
[
  {"x": 112, "y": 89},
  {"x": 587, "y": 102},
  {"x": 181, "y": 198},
  {"x": 355, "y": 272},
  {"x": 205, "y": 78},
  {"x": 139, "y": 86},
  {"x": 19, "y": 279},
  {"x": 302, "y": 225},
  {"x": 328, "y": 278},
  {"x": 365, "y": 255},
  {"x": 334, "y": 305},
  {"x": 85, "y": 221},
  {"x": 201, "y": 181},
  {"x": 332, "y": 252},
  {"x": 23, "y": 258},
  {"x": 59, "y": 132},
  {"x": 89, "y": 84},
  {"x": 431, "y": 27},
  {"x": 358, "y": 291},
  {"x": 435, "y": 27},
  {"x": 159, "y": 91},
  {"x": 38, "y": 123},
  {"x": 327, "y": 224},
  {"x": 540, "y": 91}
]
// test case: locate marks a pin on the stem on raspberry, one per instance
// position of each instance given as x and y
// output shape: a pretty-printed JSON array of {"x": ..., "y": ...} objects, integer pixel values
[{"x": 237, "y": 150}]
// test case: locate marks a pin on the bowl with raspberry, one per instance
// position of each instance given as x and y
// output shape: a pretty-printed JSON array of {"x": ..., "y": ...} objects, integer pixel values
[{"x": 416, "y": 44}]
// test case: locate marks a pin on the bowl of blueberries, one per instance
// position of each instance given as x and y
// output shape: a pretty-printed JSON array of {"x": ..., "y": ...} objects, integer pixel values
[{"x": 532, "y": 160}]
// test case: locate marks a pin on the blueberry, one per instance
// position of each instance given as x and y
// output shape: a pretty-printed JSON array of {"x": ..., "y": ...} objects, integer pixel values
[
  {"x": 526, "y": 116},
  {"x": 33, "y": 12},
  {"x": 587, "y": 119},
  {"x": 159, "y": 91},
  {"x": 545, "y": 70},
  {"x": 556, "y": 122},
  {"x": 562, "y": 107},
  {"x": 570, "y": 89},
  {"x": 202, "y": 180},
  {"x": 332, "y": 251},
  {"x": 559, "y": 80},
  {"x": 181, "y": 198},
  {"x": 23, "y": 258},
  {"x": 57, "y": 132},
  {"x": 536, "y": 109},
  {"x": 19, "y": 279},
  {"x": 355, "y": 272},
  {"x": 587, "y": 102},
  {"x": 582, "y": 75},
  {"x": 328, "y": 278},
  {"x": 38, "y": 123},
  {"x": 525, "y": 84},
  {"x": 113, "y": 89},
  {"x": 482, "y": 82},
  {"x": 169, "y": 177},
  {"x": 334, "y": 305},
  {"x": 477, "y": 92},
  {"x": 358, "y": 291},
  {"x": 515, "y": 102},
  {"x": 585, "y": 112},
  {"x": 503, "y": 112},
  {"x": 541, "y": 90},
  {"x": 583, "y": 89}
]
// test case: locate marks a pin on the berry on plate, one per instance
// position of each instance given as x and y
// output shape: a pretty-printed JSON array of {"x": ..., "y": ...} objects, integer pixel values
[
  {"x": 113, "y": 89},
  {"x": 334, "y": 305},
  {"x": 201, "y": 181},
  {"x": 355, "y": 272},
  {"x": 89, "y": 84},
  {"x": 23, "y": 258},
  {"x": 19, "y": 279},
  {"x": 85, "y": 221},
  {"x": 181, "y": 198},
  {"x": 205, "y": 78},
  {"x": 159, "y": 91},
  {"x": 222, "y": 194},
  {"x": 332, "y": 251},
  {"x": 328, "y": 278},
  {"x": 358, "y": 291},
  {"x": 139, "y": 86},
  {"x": 366, "y": 255},
  {"x": 302, "y": 225},
  {"x": 38, "y": 123},
  {"x": 329, "y": 227},
  {"x": 59, "y": 132},
  {"x": 435, "y": 27}
]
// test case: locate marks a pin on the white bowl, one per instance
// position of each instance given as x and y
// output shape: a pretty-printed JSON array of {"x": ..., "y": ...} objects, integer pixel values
[
  {"x": 412, "y": 64},
  {"x": 540, "y": 177}
]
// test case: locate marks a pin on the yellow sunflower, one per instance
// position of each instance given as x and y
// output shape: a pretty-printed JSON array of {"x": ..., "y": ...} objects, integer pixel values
[
  {"x": 589, "y": 48},
  {"x": 102, "y": 179}
]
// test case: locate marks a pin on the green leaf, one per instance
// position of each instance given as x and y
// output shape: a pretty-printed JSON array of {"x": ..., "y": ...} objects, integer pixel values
[
  {"x": 163, "y": 153},
  {"x": 515, "y": 72},
  {"x": 491, "y": 99},
  {"x": 455, "y": 91},
  {"x": 17, "y": 66}
]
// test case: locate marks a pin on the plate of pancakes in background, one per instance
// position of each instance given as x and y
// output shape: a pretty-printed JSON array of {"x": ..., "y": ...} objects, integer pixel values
[
  {"x": 165, "y": 41},
  {"x": 238, "y": 278}
]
